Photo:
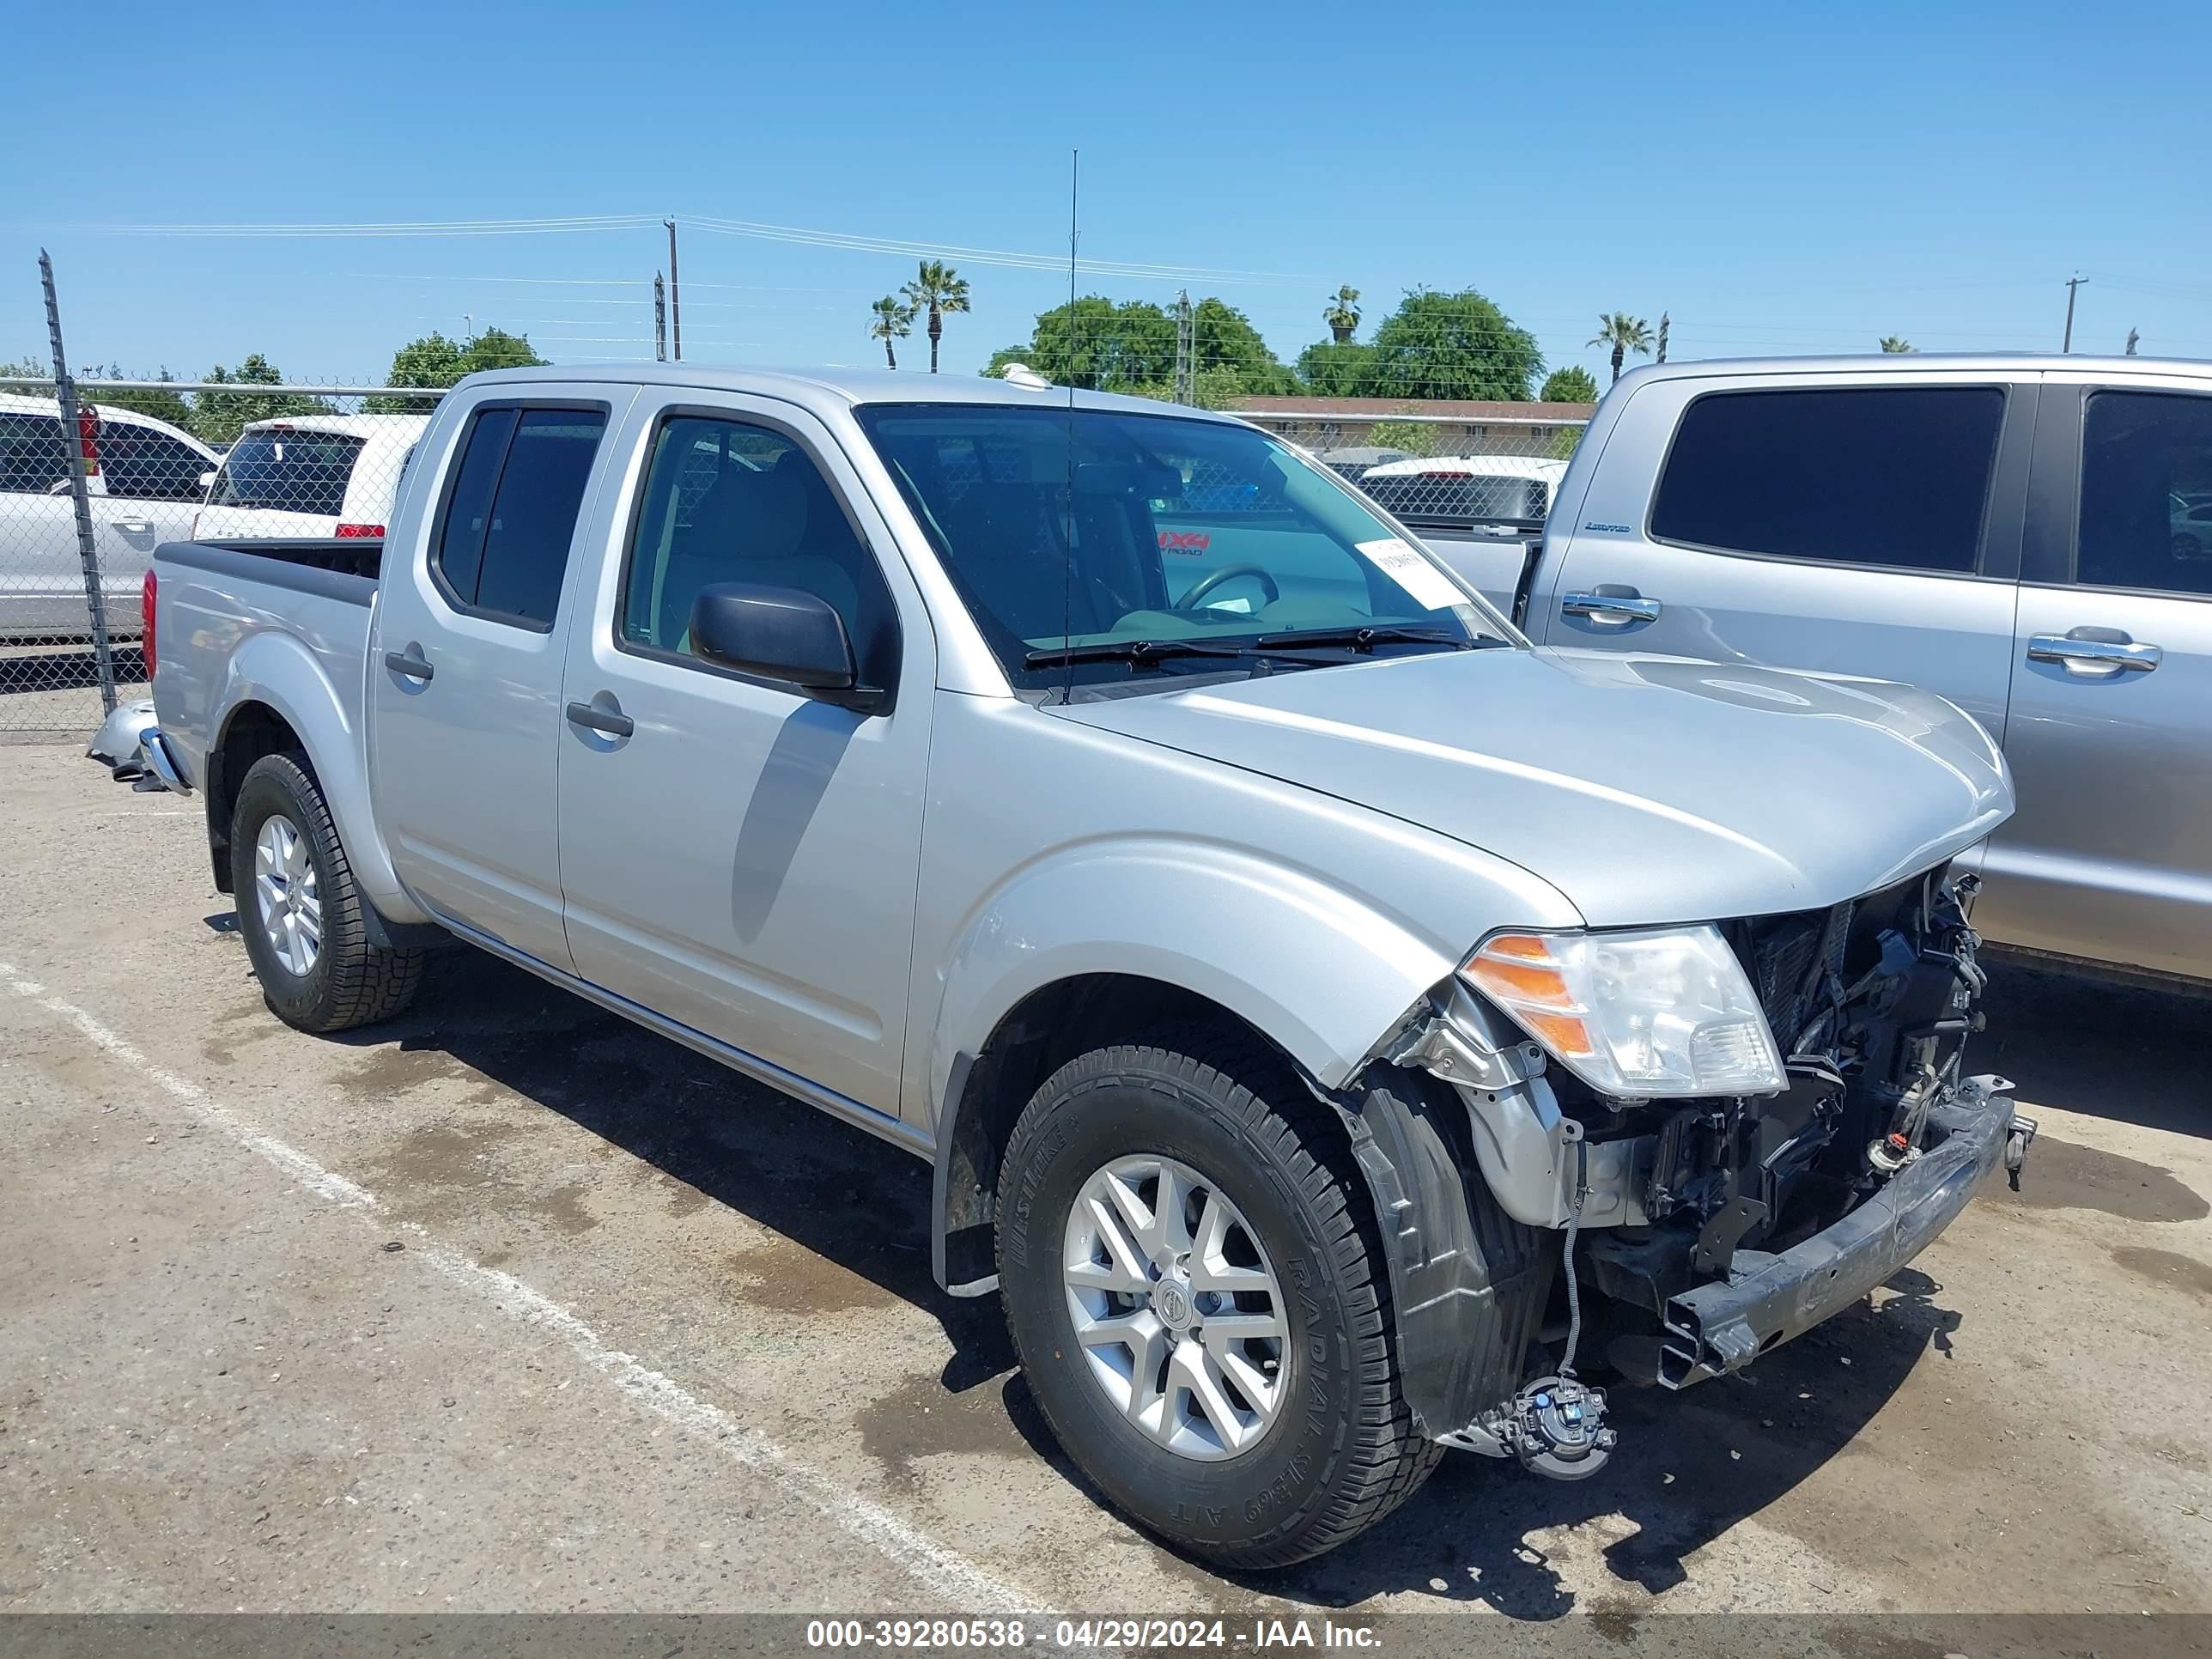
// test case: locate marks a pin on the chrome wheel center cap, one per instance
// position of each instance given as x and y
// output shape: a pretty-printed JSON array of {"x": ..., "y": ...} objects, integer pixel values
[{"x": 1171, "y": 1302}]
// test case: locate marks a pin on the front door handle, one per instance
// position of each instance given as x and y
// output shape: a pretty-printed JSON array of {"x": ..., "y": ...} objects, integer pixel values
[
  {"x": 411, "y": 662},
  {"x": 136, "y": 526},
  {"x": 2094, "y": 658},
  {"x": 1617, "y": 608},
  {"x": 611, "y": 721}
]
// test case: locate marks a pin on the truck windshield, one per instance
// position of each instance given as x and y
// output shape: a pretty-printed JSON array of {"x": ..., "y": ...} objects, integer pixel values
[
  {"x": 292, "y": 471},
  {"x": 1070, "y": 533}
]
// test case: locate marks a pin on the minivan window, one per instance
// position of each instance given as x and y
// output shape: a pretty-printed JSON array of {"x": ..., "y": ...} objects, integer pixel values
[
  {"x": 1895, "y": 476},
  {"x": 502, "y": 547},
  {"x": 33, "y": 456},
  {"x": 150, "y": 465},
  {"x": 1205, "y": 544},
  {"x": 2146, "y": 516},
  {"x": 290, "y": 470}
]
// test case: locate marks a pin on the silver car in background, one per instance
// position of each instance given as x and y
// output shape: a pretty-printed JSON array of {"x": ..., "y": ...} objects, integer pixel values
[{"x": 2026, "y": 536}]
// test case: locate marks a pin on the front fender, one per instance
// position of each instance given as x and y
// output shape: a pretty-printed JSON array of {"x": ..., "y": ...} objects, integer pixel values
[
  {"x": 271, "y": 667},
  {"x": 1322, "y": 974}
]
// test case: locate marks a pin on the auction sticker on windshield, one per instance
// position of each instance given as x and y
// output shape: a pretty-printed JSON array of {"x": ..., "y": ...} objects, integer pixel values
[{"x": 1402, "y": 564}]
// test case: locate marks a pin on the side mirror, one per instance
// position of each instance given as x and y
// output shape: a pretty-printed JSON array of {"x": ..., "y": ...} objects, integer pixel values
[
  {"x": 207, "y": 479},
  {"x": 775, "y": 634}
]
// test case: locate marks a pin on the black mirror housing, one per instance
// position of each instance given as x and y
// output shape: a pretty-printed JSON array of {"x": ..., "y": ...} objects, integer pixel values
[{"x": 781, "y": 633}]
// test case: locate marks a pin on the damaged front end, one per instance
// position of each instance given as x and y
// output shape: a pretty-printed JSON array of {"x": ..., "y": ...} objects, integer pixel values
[{"x": 1712, "y": 1226}]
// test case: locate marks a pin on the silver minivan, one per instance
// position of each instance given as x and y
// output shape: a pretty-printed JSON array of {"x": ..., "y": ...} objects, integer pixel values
[{"x": 2013, "y": 533}]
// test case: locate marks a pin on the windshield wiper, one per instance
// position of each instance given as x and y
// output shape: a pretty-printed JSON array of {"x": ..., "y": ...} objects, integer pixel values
[
  {"x": 1140, "y": 650},
  {"x": 1367, "y": 636}
]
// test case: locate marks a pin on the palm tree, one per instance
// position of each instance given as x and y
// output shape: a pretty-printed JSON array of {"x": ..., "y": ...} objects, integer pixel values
[
  {"x": 1343, "y": 313},
  {"x": 1897, "y": 342},
  {"x": 1624, "y": 334},
  {"x": 938, "y": 288},
  {"x": 892, "y": 320}
]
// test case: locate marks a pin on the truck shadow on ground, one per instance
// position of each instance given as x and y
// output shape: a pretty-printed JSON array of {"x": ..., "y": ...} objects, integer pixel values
[
  {"x": 2127, "y": 1053},
  {"x": 1690, "y": 1466}
]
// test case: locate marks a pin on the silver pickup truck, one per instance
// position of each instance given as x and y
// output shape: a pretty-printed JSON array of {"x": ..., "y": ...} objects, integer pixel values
[
  {"x": 2029, "y": 537},
  {"x": 1330, "y": 1020}
]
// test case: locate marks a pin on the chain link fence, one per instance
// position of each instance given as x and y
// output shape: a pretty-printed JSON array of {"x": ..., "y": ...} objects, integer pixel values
[
  {"x": 1437, "y": 462},
  {"x": 163, "y": 460}
]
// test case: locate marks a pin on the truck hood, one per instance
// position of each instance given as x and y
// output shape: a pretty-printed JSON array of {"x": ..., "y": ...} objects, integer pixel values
[{"x": 1646, "y": 789}]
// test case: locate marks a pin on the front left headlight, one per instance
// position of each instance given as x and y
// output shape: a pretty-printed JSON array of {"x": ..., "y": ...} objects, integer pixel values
[{"x": 1655, "y": 1011}]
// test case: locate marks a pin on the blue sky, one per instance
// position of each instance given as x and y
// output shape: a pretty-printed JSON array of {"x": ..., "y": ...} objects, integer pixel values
[{"x": 1777, "y": 178}]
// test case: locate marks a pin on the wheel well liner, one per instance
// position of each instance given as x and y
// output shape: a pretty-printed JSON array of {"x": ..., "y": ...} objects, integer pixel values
[{"x": 254, "y": 729}]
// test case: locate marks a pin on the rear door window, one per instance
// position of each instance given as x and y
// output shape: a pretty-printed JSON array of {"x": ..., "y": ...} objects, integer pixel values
[
  {"x": 503, "y": 545},
  {"x": 2146, "y": 492},
  {"x": 288, "y": 471},
  {"x": 1893, "y": 475}
]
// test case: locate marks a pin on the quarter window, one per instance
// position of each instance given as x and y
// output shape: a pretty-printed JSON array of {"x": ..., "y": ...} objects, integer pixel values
[
  {"x": 503, "y": 544},
  {"x": 1881, "y": 476},
  {"x": 2146, "y": 519}
]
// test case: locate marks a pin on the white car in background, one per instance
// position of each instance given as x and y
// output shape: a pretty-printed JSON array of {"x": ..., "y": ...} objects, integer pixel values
[
  {"x": 310, "y": 476},
  {"x": 1462, "y": 489},
  {"x": 145, "y": 479}
]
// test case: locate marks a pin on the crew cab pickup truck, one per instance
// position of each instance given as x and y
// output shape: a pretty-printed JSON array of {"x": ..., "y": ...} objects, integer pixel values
[
  {"x": 2015, "y": 533},
  {"x": 1329, "y": 1019}
]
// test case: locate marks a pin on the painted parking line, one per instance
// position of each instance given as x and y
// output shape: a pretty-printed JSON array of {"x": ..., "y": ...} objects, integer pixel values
[{"x": 967, "y": 1586}]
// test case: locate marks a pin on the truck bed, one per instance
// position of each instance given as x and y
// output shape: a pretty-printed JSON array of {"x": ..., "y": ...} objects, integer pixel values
[{"x": 253, "y": 607}]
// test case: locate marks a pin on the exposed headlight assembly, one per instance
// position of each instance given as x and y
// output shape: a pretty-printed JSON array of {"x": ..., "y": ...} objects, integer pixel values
[{"x": 1662, "y": 1011}]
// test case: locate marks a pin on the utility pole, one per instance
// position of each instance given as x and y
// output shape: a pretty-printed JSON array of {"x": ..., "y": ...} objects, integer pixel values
[
  {"x": 659, "y": 319},
  {"x": 1662, "y": 338},
  {"x": 675, "y": 293},
  {"x": 2072, "y": 282},
  {"x": 79, "y": 426},
  {"x": 2132, "y": 337},
  {"x": 1186, "y": 377}
]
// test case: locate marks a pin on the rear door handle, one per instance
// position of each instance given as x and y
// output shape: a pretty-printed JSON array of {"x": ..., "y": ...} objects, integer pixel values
[
  {"x": 1616, "y": 608},
  {"x": 410, "y": 662},
  {"x": 2094, "y": 658},
  {"x": 136, "y": 526},
  {"x": 612, "y": 721}
]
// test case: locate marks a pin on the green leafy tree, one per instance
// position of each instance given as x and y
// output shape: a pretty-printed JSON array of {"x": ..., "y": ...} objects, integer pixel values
[
  {"x": 1337, "y": 369},
  {"x": 436, "y": 360},
  {"x": 217, "y": 417},
  {"x": 889, "y": 319},
  {"x": 1894, "y": 342},
  {"x": 1452, "y": 345},
  {"x": 168, "y": 406},
  {"x": 1572, "y": 385},
  {"x": 1414, "y": 437},
  {"x": 1564, "y": 442},
  {"x": 1223, "y": 337},
  {"x": 1098, "y": 345},
  {"x": 1624, "y": 334},
  {"x": 937, "y": 288},
  {"x": 1343, "y": 313}
]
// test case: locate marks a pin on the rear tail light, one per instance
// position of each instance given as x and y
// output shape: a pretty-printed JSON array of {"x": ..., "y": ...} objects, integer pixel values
[
  {"x": 147, "y": 593},
  {"x": 87, "y": 439},
  {"x": 349, "y": 531}
]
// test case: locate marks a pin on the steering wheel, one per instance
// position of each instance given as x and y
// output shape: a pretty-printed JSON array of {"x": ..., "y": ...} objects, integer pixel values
[{"x": 1205, "y": 584}]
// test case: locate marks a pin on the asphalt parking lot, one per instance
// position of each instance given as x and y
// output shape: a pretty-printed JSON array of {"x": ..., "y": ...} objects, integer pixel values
[{"x": 509, "y": 1305}]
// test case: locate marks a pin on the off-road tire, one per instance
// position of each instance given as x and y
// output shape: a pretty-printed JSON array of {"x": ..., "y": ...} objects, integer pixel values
[
  {"x": 352, "y": 982},
  {"x": 1344, "y": 1453}
]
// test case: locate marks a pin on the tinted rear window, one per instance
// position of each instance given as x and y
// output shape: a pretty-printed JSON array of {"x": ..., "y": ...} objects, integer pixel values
[
  {"x": 503, "y": 545},
  {"x": 292, "y": 472},
  {"x": 1873, "y": 476},
  {"x": 33, "y": 456}
]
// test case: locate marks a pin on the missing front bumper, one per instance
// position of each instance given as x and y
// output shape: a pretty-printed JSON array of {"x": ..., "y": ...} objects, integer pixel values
[{"x": 1766, "y": 1300}]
